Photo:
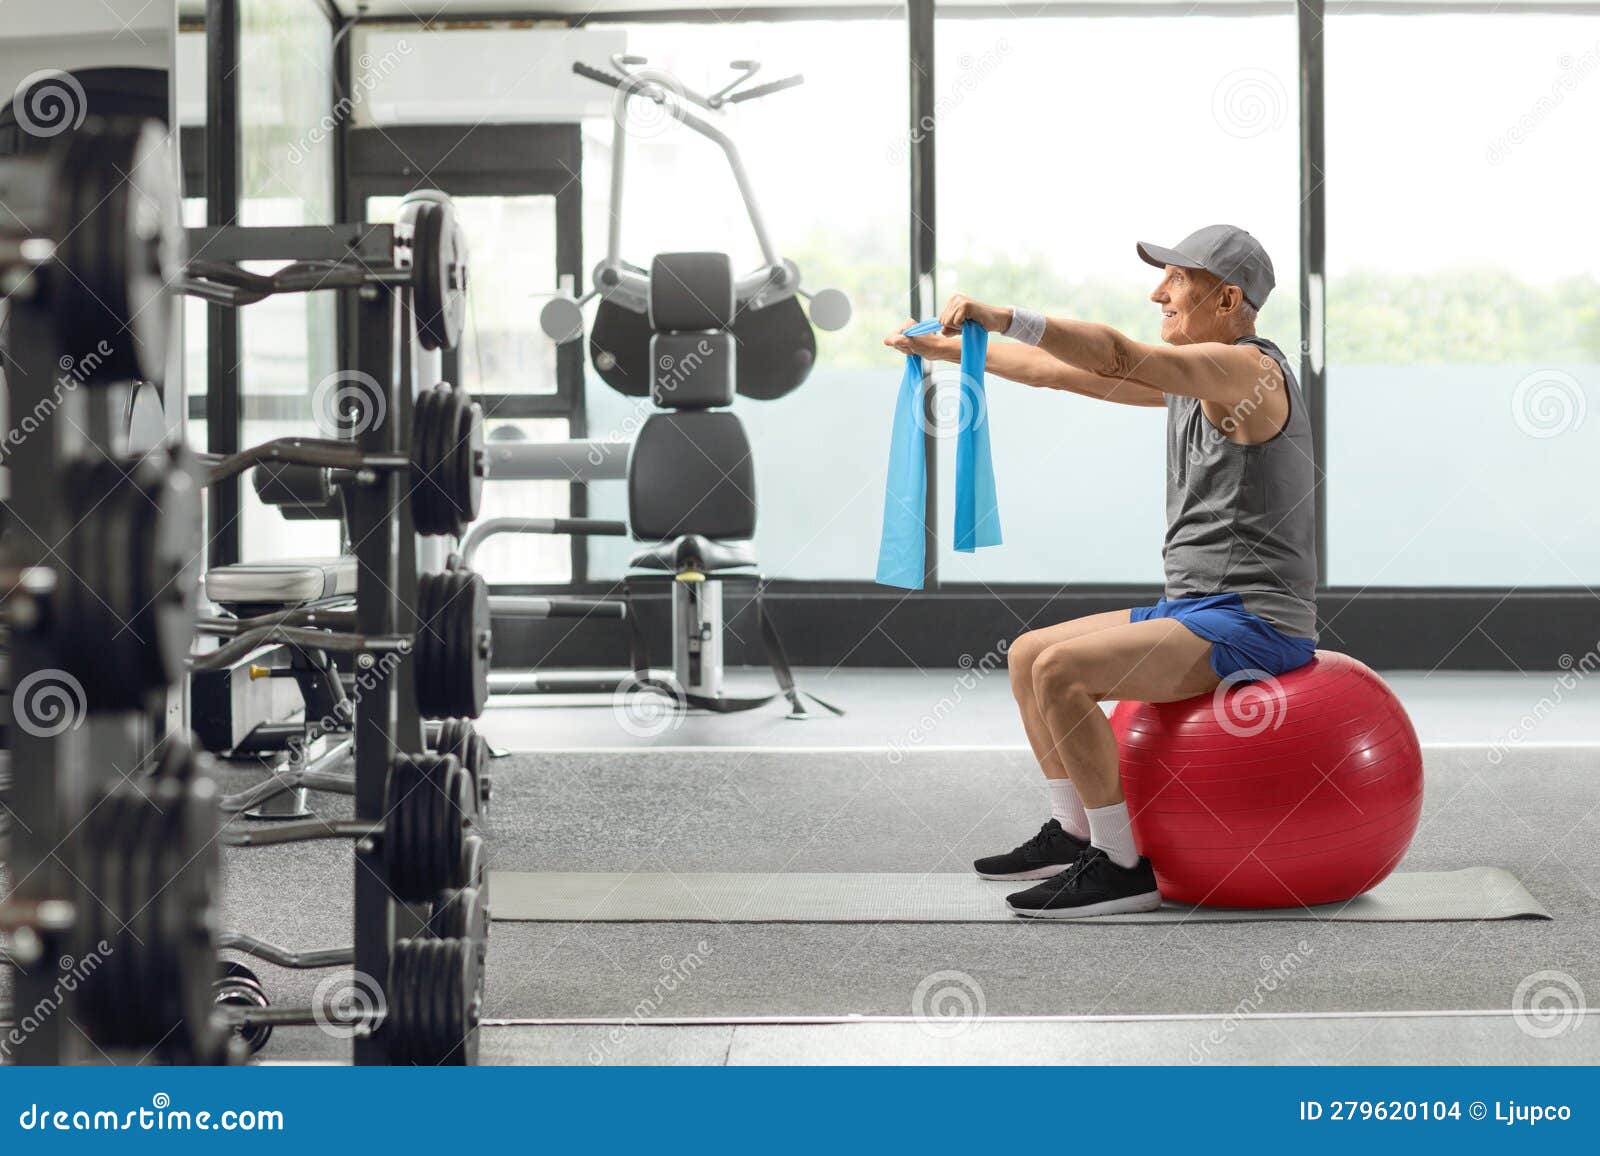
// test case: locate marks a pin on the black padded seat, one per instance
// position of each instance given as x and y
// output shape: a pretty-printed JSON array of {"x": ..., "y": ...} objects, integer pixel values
[
  {"x": 284, "y": 582},
  {"x": 694, "y": 552}
]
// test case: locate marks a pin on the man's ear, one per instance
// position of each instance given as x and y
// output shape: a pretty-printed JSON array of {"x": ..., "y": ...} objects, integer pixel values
[{"x": 1229, "y": 298}]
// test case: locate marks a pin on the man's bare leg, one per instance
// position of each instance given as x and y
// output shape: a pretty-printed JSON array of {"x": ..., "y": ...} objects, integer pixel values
[
  {"x": 1159, "y": 660},
  {"x": 1025, "y": 652}
]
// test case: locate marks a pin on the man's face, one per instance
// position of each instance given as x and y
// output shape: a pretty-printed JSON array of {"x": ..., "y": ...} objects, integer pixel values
[{"x": 1188, "y": 301}]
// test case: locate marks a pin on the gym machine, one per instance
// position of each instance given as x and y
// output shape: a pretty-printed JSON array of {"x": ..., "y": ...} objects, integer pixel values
[{"x": 687, "y": 335}]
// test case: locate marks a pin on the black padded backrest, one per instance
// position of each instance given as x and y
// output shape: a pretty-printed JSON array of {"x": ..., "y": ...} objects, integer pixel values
[
  {"x": 691, "y": 473},
  {"x": 692, "y": 370},
  {"x": 691, "y": 291}
]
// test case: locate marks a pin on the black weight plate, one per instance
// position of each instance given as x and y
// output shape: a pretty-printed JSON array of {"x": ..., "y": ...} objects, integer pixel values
[
  {"x": 432, "y": 831},
  {"x": 168, "y": 604},
  {"x": 472, "y": 869},
  {"x": 427, "y": 511},
  {"x": 398, "y": 840},
  {"x": 233, "y": 969},
  {"x": 399, "y": 1014},
  {"x": 449, "y": 268},
  {"x": 476, "y": 631},
  {"x": 441, "y": 437},
  {"x": 463, "y": 984},
  {"x": 405, "y": 1028},
  {"x": 428, "y": 650},
  {"x": 193, "y": 931},
  {"x": 427, "y": 287},
  {"x": 439, "y": 1009},
  {"x": 120, "y": 247},
  {"x": 236, "y": 993},
  {"x": 619, "y": 348},
  {"x": 460, "y": 814},
  {"x": 467, "y": 460},
  {"x": 777, "y": 349}
]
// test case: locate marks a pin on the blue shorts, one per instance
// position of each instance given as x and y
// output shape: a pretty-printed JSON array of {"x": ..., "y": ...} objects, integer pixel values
[{"x": 1240, "y": 641}]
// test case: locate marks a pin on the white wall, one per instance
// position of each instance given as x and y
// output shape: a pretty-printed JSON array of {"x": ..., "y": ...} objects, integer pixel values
[{"x": 480, "y": 75}]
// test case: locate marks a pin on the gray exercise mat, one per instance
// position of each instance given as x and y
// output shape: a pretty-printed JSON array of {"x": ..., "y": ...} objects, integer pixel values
[{"x": 1475, "y": 893}]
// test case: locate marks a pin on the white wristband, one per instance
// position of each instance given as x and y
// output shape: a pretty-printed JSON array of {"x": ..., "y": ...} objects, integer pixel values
[{"x": 1026, "y": 325}]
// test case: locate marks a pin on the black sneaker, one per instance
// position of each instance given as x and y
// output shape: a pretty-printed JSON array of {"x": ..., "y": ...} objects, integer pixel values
[
  {"x": 1094, "y": 885},
  {"x": 1048, "y": 853}
]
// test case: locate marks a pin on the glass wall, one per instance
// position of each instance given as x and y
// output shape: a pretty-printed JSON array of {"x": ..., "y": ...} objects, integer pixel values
[
  {"x": 289, "y": 342},
  {"x": 829, "y": 165},
  {"x": 1463, "y": 300},
  {"x": 1061, "y": 143}
]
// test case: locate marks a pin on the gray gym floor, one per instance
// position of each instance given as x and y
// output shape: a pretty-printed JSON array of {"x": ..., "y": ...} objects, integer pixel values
[{"x": 924, "y": 773}]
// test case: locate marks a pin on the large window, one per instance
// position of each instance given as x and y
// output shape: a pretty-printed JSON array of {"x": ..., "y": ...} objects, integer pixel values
[
  {"x": 1463, "y": 298},
  {"x": 1061, "y": 143},
  {"x": 829, "y": 165}
]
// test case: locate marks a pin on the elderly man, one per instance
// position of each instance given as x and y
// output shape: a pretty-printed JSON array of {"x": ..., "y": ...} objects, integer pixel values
[{"x": 1239, "y": 554}]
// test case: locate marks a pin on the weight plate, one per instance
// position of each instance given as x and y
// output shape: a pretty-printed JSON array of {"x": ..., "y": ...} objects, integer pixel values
[
  {"x": 468, "y": 459},
  {"x": 472, "y": 869},
  {"x": 427, "y": 512},
  {"x": 439, "y": 275},
  {"x": 120, "y": 246},
  {"x": 476, "y": 632},
  {"x": 428, "y": 649},
  {"x": 235, "y": 993}
]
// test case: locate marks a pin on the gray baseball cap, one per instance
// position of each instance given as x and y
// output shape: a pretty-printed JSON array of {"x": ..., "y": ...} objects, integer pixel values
[{"x": 1226, "y": 251}]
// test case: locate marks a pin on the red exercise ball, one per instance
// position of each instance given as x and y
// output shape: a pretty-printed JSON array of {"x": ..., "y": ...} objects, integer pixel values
[{"x": 1299, "y": 789}]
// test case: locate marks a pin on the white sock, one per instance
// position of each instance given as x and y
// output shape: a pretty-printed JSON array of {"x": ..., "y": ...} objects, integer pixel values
[
  {"x": 1066, "y": 807},
  {"x": 1111, "y": 830}
]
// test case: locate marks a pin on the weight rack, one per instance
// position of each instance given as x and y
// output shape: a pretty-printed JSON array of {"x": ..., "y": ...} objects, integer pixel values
[{"x": 383, "y": 526}]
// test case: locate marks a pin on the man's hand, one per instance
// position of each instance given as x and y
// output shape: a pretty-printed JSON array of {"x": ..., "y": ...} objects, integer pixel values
[
  {"x": 931, "y": 346},
  {"x": 994, "y": 318}
]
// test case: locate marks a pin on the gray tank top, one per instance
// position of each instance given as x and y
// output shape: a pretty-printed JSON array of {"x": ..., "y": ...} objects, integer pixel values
[{"x": 1242, "y": 519}]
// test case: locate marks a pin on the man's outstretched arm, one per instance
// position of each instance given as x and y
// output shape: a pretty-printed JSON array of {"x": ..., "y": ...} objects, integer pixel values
[
  {"x": 1210, "y": 371},
  {"x": 1027, "y": 365}
]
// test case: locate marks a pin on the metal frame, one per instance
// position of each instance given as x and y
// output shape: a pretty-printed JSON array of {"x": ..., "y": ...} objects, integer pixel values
[{"x": 492, "y": 160}]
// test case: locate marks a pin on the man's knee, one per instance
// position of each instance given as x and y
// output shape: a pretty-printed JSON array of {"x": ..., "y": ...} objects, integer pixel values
[
  {"x": 1022, "y": 654},
  {"x": 1060, "y": 676}
]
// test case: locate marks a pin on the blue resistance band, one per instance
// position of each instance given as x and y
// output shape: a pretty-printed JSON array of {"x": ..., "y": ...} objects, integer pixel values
[{"x": 901, "y": 549}]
